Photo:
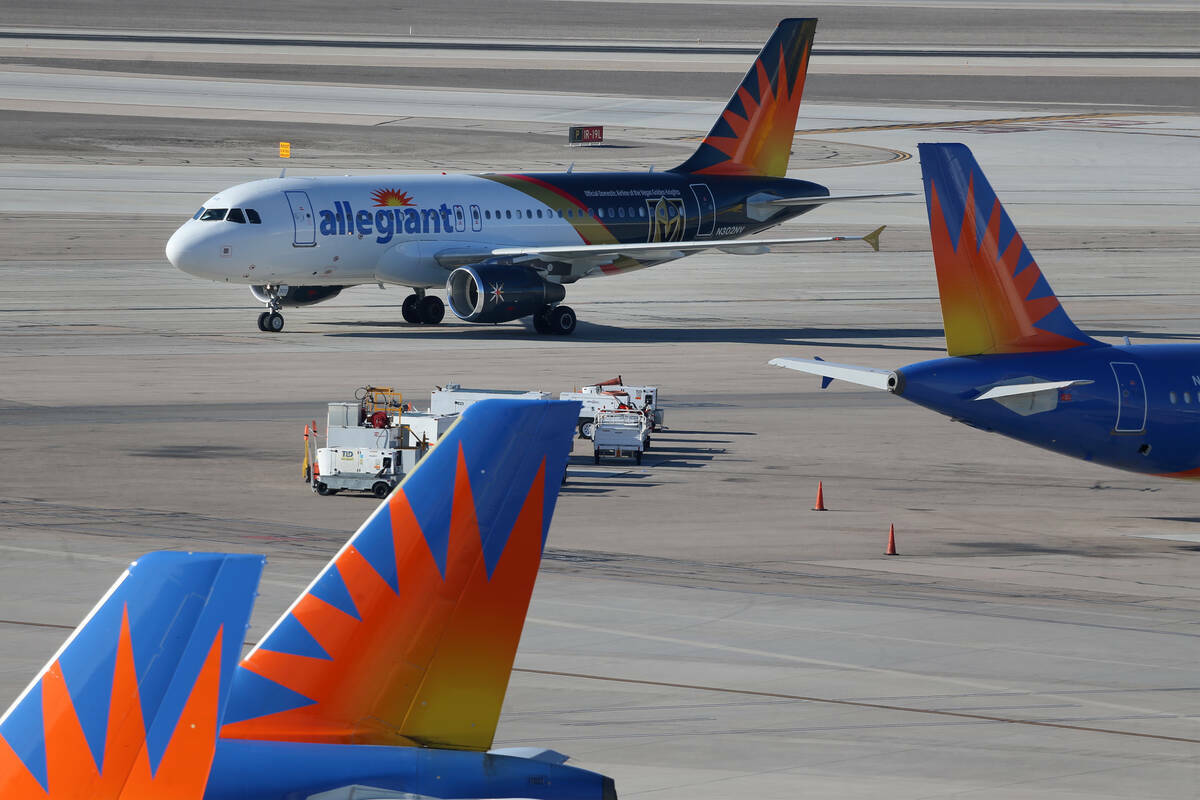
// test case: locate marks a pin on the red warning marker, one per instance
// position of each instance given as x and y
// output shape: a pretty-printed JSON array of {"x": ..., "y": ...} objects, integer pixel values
[
  {"x": 891, "y": 548},
  {"x": 820, "y": 504}
]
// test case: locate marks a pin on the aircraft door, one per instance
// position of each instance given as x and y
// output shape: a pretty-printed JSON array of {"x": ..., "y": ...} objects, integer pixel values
[
  {"x": 1131, "y": 397},
  {"x": 476, "y": 219},
  {"x": 460, "y": 219},
  {"x": 706, "y": 209},
  {"x": 303, "y": 220}
]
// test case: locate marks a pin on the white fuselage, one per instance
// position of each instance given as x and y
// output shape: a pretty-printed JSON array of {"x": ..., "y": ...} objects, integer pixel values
[{"x": 353, "y": 230}]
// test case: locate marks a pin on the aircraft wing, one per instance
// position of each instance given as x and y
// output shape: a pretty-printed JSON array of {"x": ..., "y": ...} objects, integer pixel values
[
  {"x": 602, "y": 253},
  {"x": 863, "y": 376},
  {"x": 1014, "y": 389},
  {"x": 820, "y": 201}
]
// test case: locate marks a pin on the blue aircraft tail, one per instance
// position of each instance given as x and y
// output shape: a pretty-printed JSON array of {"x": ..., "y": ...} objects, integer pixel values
[
  {"x": 131, "y": 705},
  {"x": 408, "y": 636},
  {"x": 994, "y": 297}
]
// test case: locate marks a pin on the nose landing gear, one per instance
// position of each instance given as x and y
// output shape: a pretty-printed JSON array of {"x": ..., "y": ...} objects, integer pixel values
[{"x": 271, "y": 321}]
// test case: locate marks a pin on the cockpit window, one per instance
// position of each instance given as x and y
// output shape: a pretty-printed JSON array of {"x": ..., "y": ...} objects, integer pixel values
[
  {"x": 213, "y": 214},
  {"x": 198, "y": 213},
  {"x": 236, "y": 215},
  {"x": 252, "y": 217}
]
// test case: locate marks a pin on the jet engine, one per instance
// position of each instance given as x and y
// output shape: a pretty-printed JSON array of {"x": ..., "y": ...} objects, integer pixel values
[
  {"x": 499, "y": 292},
  {"x": 297, "y": 295}
]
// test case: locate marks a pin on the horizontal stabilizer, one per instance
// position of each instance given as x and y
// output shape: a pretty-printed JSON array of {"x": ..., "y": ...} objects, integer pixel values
[
  {"x": 863, "y": 376},
  {"x": 542, "y": 754},
  {"x": 820, "y": 201},
  {"x": 1014, "y": 389}
]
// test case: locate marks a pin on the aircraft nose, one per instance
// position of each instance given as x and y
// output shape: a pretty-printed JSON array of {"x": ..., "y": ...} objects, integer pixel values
[{"x": 184, "y": 251}]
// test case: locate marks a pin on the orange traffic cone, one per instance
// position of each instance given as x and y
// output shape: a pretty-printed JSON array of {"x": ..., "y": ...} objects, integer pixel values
[
  {"x": 891, "y": 548},
  {"x": 820, "y": 504}
]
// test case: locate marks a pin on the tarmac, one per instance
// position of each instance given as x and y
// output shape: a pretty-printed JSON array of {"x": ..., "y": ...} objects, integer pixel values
[{"x": 696, "y": 631}]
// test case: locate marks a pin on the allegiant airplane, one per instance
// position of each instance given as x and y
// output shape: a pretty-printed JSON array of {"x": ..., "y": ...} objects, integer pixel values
[
  {"x": 1017, "y": 364},
  {"x": 384, "y": 678},
  {"x": 505, "y": 246}
]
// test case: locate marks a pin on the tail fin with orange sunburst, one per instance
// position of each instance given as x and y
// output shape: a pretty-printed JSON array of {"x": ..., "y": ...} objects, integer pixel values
[
  {"x": 408, "y": 636},
  {"x": 994, "y": 297},
  {"x": 753, "y": 135},
  {"x": 130, "y": 706}
]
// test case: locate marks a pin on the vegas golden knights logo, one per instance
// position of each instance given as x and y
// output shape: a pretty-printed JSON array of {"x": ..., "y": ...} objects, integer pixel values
[{"x": 666, "y": 219}]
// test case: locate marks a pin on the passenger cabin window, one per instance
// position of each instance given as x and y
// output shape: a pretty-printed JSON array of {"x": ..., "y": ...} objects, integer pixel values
[
  {"x": 508, "y": 213},
  {"x": 1187, "y": 398},
  {"x": 487, "y": 214},
  {"x": 236, "y": 215},
  {"x": 211, "y": 214},
  {"x": 1174, "y": 398},
  {"x": 642, "y": 213},
  {"x": 539, "y": 213},
  {"x": 252, "y": 217}
]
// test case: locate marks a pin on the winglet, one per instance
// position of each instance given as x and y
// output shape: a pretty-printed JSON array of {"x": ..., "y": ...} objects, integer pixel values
[
  {"x": 872, "y": 238},
  {"x": 131, "y": 704},
  {"x": 408, "y": 636},
  {"x": 825, "y": 379}
]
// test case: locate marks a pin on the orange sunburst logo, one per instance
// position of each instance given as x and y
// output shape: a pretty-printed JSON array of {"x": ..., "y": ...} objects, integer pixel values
[
  {"x": 392, "y": 197},
  {"x": 126, "y": 771},
  {"x": 986, "y": 303},
  {"x": 762, "y": 140},
  {"x": 427, "y": 665}
]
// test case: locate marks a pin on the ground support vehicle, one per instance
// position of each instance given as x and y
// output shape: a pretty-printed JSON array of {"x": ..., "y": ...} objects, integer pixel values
[
  {"x": 621, "y": 434},
  {"x": 454, "y": 398},
  {"x": 372, "y": 444}
]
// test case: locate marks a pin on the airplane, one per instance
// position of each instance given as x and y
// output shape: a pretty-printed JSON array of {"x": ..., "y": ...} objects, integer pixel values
[
  {"x": 505, "y": 246},
  {"x": 384, "y": 678},
  {"x": 1017, "y": 365}
]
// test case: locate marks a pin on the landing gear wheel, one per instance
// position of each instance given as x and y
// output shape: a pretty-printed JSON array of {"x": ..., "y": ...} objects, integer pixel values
[
  {"x": 274, "y": 322},
  {"x": 541, "y": 323},
  {"x": 410, "y": 311},
  {"x": 431, "y": 309},
  {"x": 262, "y": 321},
  {"x": 562, "y": 320},
  {"x": 380, "y": 489},
  {"x": 587, "y": 429}
]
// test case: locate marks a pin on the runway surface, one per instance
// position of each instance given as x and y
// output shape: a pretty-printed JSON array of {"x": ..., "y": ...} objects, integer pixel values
[{"x": 696, "y": 632}]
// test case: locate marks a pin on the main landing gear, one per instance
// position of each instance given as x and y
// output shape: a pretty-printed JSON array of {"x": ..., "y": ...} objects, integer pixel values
[
  {"x": 558, "y": 320},
  {"x": 422, "y": 309},
  {"x": 271, "y": 321}
]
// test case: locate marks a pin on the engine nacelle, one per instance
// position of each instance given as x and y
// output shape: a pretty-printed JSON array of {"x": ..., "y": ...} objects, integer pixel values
[
  {"x": 499, "y": 292},
  {"x": 297, "y": 295}
]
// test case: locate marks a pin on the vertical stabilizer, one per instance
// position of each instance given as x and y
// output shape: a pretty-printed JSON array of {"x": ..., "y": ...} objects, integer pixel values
[
  {"x": 753, "y": 135},
  {"x": 994, "y": 297},
  {"x": 408, "y": 636},
  {"x": 130, "y": 706}
]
